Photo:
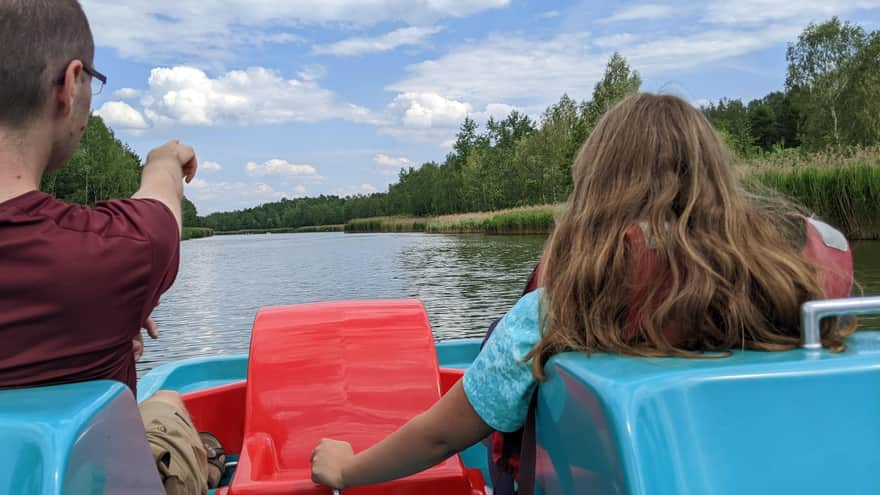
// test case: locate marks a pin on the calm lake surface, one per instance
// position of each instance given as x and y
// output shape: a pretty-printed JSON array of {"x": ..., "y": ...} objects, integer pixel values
[{"x": 465, "y": 281}]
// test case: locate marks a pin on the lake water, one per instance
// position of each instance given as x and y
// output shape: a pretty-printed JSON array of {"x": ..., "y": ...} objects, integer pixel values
[{"x": 465, "y": 281}]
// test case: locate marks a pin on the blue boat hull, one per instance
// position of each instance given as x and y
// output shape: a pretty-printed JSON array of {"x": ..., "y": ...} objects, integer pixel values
[{"x": 803, "y": 421}]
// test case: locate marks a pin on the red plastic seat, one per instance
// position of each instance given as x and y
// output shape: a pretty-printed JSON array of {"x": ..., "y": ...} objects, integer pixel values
[{"x": 354, "y": 371}]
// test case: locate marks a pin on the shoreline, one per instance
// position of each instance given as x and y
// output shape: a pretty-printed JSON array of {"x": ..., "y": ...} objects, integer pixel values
[
  {"x": 843, "y": 192},
  {"x": 188, "y": 233},
  {"x": 284, "y": 230}
]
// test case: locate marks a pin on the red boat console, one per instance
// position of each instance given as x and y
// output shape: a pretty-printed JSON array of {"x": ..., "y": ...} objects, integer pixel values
[{"x": 353, "y": 371}]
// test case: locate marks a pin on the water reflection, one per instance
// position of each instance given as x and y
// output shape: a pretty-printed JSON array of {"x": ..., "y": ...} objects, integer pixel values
[
  {"x": 464, "y": 281},
  {"x": 867, "y": 267}
]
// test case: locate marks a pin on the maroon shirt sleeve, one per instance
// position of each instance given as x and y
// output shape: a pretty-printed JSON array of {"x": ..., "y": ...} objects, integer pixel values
[{"x": 150, "y": 219}]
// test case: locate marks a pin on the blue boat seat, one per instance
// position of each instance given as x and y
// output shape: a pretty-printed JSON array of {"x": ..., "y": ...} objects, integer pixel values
[
  {"x": 805, "y": 422},
  {"x": 79, "y": 439}
]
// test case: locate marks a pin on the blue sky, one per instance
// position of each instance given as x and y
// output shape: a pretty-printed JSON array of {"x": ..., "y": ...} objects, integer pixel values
[{"x": 291, "y": 98}]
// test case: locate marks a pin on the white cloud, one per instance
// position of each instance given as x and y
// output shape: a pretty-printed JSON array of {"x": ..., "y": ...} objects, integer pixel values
[
  {"x": 641, "y": 12},
  {"x": 678, "y": 52},
  {"x": 365, "y": 189},
  {"x": 510, "y": 69},
  {"x": 168, "y": 30},
  {"x": 615, "y": 41},
  {"x": 752, "y": 12},
  {"x": 389, "y": 165},
  {"x": 256, "y": 96},
  {"x": 313, "y": 72},
  {"x": 198, "y": 184},
  {"x": 274, "y": 180},
  {"x": 362, "y": 45},
  {"x": 497, "y": 111},
  {"x": 550, "y": 14},
  {"x": 427, "y": 109},
  {"x": 530, "y": 74},
  {"x": 425, "y": 117},
  {"x": 127, "y": 93},
  {"x": 281, "y": 168},
  {"x": 120, "y": 115},
  {"x": 210, "y": 166},
  {"x": 494, "y": 76},
  {"x": 431, "y": 118},
  {"x": 226, "y": 196}
]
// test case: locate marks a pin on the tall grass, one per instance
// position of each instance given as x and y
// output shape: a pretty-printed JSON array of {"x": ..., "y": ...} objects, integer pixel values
[
  {"x": 532, "y": 221},
  {"x": 842, "y": 187},
  {"x": 848, "y": 198},
  {"x": 524, "y": 220},
  {"x": 795, "y": 159},
  {"x": 386, "y": 224}
]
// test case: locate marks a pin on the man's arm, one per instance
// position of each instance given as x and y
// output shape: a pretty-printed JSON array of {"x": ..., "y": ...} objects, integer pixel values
[{"x": 163, "y": 174}]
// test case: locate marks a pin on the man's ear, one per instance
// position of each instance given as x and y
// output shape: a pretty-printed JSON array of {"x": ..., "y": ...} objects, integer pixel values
[{"x": 66, "y": 89}]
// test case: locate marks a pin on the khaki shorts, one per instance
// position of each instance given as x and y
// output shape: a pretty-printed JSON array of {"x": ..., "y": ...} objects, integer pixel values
[{"x": 176, "y": 447}]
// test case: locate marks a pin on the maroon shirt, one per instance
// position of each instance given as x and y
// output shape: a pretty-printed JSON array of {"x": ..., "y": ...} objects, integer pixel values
[{"x": 77, "y": 283}]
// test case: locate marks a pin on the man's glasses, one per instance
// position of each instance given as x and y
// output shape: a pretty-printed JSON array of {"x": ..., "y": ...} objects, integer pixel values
[{"x": 98, "y": 79}]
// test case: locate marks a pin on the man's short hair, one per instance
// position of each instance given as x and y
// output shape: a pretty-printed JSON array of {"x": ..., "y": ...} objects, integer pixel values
[{"x": 38, "y": 38}]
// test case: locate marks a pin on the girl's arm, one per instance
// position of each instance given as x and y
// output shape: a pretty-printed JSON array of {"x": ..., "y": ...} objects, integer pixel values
[{"x": 450, "y": 426}]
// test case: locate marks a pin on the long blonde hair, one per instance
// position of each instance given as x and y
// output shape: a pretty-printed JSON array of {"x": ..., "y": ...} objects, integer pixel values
[{"x": 729, "y": 269}]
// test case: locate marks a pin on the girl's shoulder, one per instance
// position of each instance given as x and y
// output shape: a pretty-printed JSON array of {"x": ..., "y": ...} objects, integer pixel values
[
  {"x": 520, "y": 327},
  {"x": 528, "y": 305}
]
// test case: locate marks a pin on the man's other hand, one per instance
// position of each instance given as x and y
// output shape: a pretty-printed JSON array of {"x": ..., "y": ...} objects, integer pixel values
[{"x": 137, "y": 345}]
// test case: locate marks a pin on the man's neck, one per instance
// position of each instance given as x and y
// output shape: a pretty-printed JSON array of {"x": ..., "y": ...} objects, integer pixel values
[{"x": 23, "y": 159}]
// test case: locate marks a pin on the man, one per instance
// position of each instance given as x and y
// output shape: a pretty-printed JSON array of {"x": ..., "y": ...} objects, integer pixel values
[{"x": 77, "y": 284}]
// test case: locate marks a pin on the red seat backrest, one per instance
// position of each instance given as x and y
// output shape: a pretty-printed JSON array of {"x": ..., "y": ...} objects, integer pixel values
[{"x": 353, "y": 371}]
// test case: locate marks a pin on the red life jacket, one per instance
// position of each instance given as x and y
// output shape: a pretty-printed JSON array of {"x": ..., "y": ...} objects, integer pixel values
[{"x": 826, "y": 247}]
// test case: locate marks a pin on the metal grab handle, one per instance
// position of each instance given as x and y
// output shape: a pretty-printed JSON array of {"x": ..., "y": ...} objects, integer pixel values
[
  {"x": 813, "y": 312},
  {"x": 336, "y": 492}
]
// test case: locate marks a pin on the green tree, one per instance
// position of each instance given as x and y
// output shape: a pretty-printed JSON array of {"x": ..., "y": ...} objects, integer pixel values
[
  {"x": 190, "y": 214},
  {"x": 731, "y": 118},
  {"x": 618, "y": 82},
  {"x": 820, "y": 69},
  {"x": 774, "y": 121},
  {"x": 101, "y": 168},
  {"x": 860, "y": 98}
]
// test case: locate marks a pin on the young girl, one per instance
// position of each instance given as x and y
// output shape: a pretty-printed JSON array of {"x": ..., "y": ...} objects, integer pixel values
[{"x": 658, "y": 253}]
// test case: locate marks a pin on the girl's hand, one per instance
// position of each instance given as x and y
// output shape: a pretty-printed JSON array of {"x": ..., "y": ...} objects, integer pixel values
[{"x": 328, "y": 461}]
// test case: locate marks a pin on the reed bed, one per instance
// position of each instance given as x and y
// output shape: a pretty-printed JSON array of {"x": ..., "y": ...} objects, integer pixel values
[
  {"x": 847, "y": 197},
  {"x": 523, "y": 220},
  {"x": 841, "y": 186}
]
